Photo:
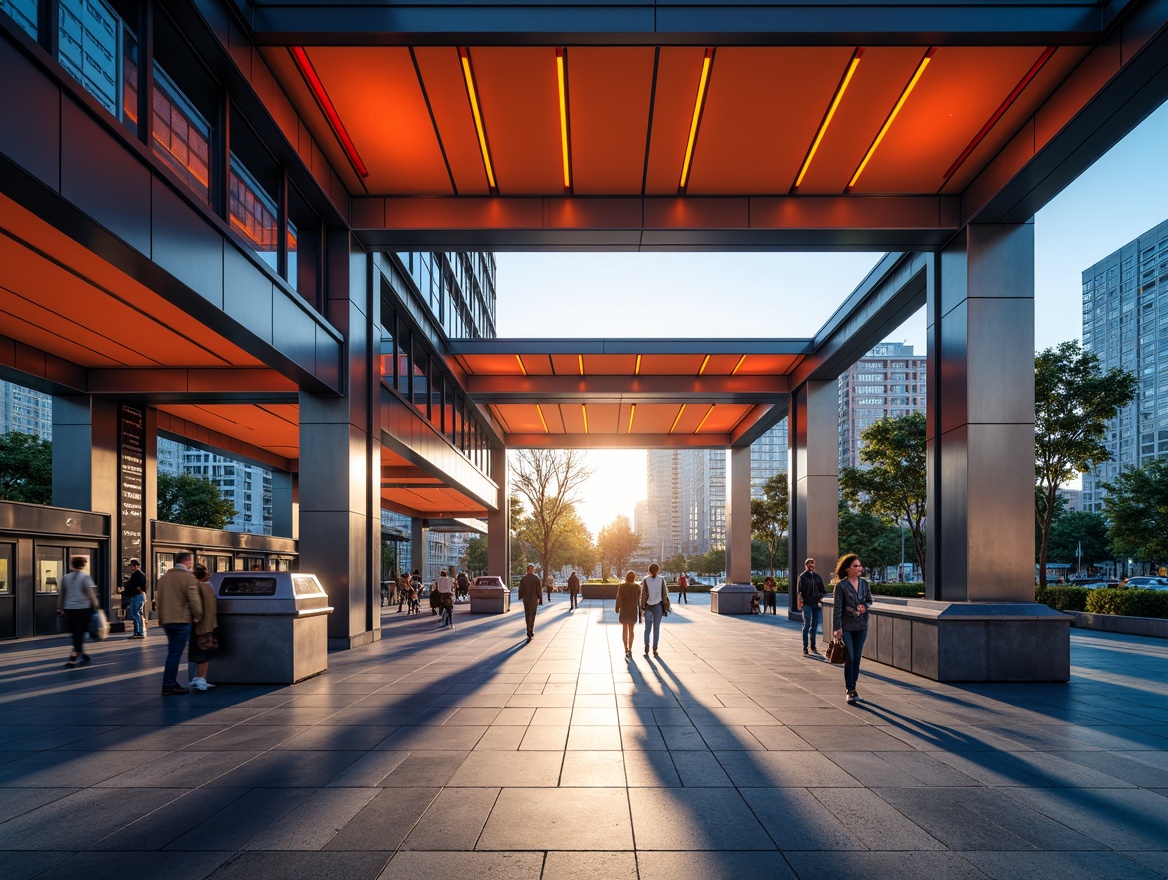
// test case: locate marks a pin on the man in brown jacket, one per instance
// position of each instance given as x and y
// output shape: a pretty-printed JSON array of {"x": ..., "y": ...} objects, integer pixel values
[
  {"x": 531, "y": 594},
  {"x": 179, "y": 606}
]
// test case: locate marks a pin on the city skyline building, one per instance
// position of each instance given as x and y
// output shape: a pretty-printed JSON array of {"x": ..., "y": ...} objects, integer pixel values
[
  {"x": 888, "y": 382},
  {"x": 1125, "y": 325},
  {"x": 247, "y": 486},
  {"x": 25, "y": 411}
]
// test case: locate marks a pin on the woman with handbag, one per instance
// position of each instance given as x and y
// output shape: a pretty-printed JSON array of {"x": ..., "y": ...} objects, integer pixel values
[
  {"x": 76, "y": 602},
  {"x": 655, "y": 604},
  {"x": 627, "y": 608},
  {"x": 853, "y": 598},
  {"x": 204, "y": 641}
]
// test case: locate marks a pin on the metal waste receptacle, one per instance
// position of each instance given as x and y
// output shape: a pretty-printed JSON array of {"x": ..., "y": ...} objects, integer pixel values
[
  {"x": 273, "y": 627},
  {"x": 488, "y": 595}
]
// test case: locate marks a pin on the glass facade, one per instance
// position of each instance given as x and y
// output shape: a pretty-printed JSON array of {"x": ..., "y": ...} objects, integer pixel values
[
  {"x": 458, "y": 289},
  {"x": 888, "y": 383},
  {"x": 23, "y": 12}
]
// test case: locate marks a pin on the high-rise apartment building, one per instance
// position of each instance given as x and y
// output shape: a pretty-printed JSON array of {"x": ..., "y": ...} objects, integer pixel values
[
  {"x": 247, "y": 486},
  {"x": 1125, "y": 324},
  {"x": 768, "y": 456},
  {"x": 686, "y": 507},
  {"x": 887, "y": 383},
  {"x": 25, "y": 411}
]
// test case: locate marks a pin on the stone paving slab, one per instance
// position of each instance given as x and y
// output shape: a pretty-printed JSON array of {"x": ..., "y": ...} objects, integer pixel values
[{"x": 436, "y": 754}]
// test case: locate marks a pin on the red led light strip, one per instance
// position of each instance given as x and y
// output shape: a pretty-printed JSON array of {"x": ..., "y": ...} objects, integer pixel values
[
  {"x": 1000, "y": 112},
  {"x": 326, "y": 105}
]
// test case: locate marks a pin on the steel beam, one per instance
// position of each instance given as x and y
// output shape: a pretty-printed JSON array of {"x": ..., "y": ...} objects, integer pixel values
[
  {"x": 618, "y": 441},
  {"x": 188, "y": 385},
  {"x": 636, "y": 389},
  {"x": 656, "y": 345}
]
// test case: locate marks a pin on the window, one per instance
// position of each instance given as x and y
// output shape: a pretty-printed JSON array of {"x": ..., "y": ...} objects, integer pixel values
[
  {"x": 24, "y": 12},
  {"x": 182, "y": 138},
  {"x": 252, "y": 213},
  {"x": 6, "y": 568},
  {"x": 89, "y": 37}
]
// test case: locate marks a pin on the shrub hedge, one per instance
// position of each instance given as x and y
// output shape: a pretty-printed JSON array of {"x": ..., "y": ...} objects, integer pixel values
[
  {"x": 1065, "y": 598},
  {"x": 1131, "y": 602}
]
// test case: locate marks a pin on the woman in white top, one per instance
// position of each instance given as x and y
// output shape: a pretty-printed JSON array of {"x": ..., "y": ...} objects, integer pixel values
[
  {"x": 76, "y": 600},
  {"x": 655, "y": 603},
  {"x": 445, "y": 588}
]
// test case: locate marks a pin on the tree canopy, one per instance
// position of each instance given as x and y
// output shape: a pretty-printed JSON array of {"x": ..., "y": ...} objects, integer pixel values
[
  {"x": 675, "y": 564},
  {"x": 770, "y": 516},
  {"x": 615, "y": 546},
  {"x": 894, "y": 485},
  {"x": 474, "y": 559},
  {"x": 193, "y": 501},
  {"x": 876, "y": 541},
  {"x": 1073, "y": 401},
  {"x": 26, "y": 468},
  {"x": 1073, "y": 529},
  {"x": 549, "y": 482},
  {"x": 1137, "y": 506}
]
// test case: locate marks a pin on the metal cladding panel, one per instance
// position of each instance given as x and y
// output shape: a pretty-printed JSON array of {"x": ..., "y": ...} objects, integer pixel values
[
  {"x": 762, "y": 111},
  {"x": 104, "y": 179},
  {"x": 604, "y": 418},
  {"x": 671, "y": 364},
  {"x": 445, "y": 86},
  {"x": 247, "y": 295},
  {"x": 610, "y": 89},
  {"x": 31, "y": 104},
  {"x": 375, "y": 90},
  {"x": 521, "y": 113},
  {"x": 724, "y": 417},
  {"x": 185, "y": 245},
  {"x": 956, "y": 95},
  {"x": 520, "y": 418},
  {"x": 768, "y": 364},
  {"x": 878, "y": 81},
  {"x": 655, "y": 418},
  {"x": 999, "y": 361},
  {"x": 294, "y": 332},
  {"x": 952, "y": 529},
  {"x": 565, "y": 364},
  {"x": 609, "y": 364},
  {"x": 490, "y": 364},
  {"x": 678, "y": 73}
]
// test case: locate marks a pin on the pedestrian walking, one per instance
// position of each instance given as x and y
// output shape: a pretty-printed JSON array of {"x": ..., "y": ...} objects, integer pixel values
[
  {"x": 853, "y": 598},
  {"x": 179, "y": 607},
  {"x": 549, "y": 583},
  {"x": 683, "y": 588},
  {"x": 135, "y": 589},
  {"x": 444, "y": 588},
  {"x": 531, "y": 595},
  {"x": 627, "y": 608},
  {"x": 462, "y": 586},
  {"x": 809, "y": 598},
  {"x": 204, "y": 640},
  {"x": 76, "y": 602},
  {"x": 655, "y": 604},
  {"x": 403, "y": 591},
  {"x": 573, "y": 590},
  {"x": 770, "y": 603}
]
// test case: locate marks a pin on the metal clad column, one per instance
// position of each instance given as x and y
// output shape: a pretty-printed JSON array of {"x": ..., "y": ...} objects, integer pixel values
[
  {"x": 284, "y": 519},
  {"x": 418, "y": 556},
  {"x": 340, "y": 458},
  {"x": 981, "y": 417},
  {"x": 498, "y": 525},
  {"x": 813, "y": 432},
  {"x": 738, "y": 515}
]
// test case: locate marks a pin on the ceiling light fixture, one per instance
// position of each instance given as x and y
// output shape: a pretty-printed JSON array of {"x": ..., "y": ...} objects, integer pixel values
[
  {"x": 326, "y": 106},
  {"x": 522, "y": 368},
  {"x": 580, "y": 359},
  {"x": 562, "y": 80},
  {"x": 632, "y": 412},
  {"x": 1001, "y": 111},
  {"x": 705, "y": 363},
  {"x": 706, "y": 416},
  {"x": 707, "y": 61},
  {"x": 637, "y": 368},
  {"x": 584, "y": 410},
  {"x": 473, "y": 96},
  {"x": 542, "y": 420},
  {"x": 677, "y": 418},
  {"x": 839, "y": 93},
  {"x": 912, "y": 83},
  {"x": 738, "y": 366}
]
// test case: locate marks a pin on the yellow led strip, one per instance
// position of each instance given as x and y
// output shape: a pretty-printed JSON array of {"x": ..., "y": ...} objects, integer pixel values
[
  {"x": 473, "y": 95},
  {"x": 632, "y": 412},
  {"x": 738, "y": 366},
  {"x": 521, "y": 367},
  {"x": 561, "y": 61},
  {"x": 839, "y": 93},
  {"x": 678, "y": 419},
  {"x": 705, "y": 363},
  {"x": 580, "y": 360},
  {"x": 697, "y": 115},
  {"x": 584, "y": 410},
  {"x": 891, "y": 116},
  {"x": 706, "y": 416},
  {"x": 542, "y": 420},
  {"x": 637, "y": 369}
]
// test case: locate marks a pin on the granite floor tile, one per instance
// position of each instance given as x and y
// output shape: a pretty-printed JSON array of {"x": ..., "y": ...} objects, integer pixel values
[
  {"x": 100, "y": 866},
  {"x": 679, "y": 819},
  {"x": 901, "y": 865},
  {"x": 314, "y": 822},
  {"x": 712, "y": 865},
  {"x": 356, "y": 738},
  {"x": 641, "y": 738},
  {"x": 163, "y": 825},
  {"x": 453, "y": 821},
  {"x": 430, "y": 738},
  {"x": 796, "y": 820},
  {"x": 287, "y": 769},
  {"x": 552, "y": 819},
  {"x": 25, "y": 865},
  {"x": 1062, "y": 866},
  {"x": 700, "y": 770},
  {"x": 594, "y": 738},
  {"x": 590, "y": 866},
  {"x": 545, "y": 737},
  {"x": 91, "y": 814},
  {"x": 652, "y": 769},
  {"x": 873, "y": 822},
  {"x": 778, "y": 769},
  {"x": 586, "y": 769},
  {"x": 385, "y": 821},
  {"x": 241, "y": 818},
  {"x": 317, "y": 865},
  {"x": 18, "y": 801},
  {"x": 1119, "y": 819},
  {"x": 369, "y": 770},
  {"x": 445, "y": 865},
  {"x": 503, "y": 769}
]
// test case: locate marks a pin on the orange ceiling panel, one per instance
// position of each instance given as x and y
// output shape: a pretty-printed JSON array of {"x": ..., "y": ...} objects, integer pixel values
[
  {"x": 768, "y": 364},
  {"x": 724, "y": 417},
  {"x": 566, "y": 364},
  {"x": 521, "y": 113},
  {"x": 272, "y": 427},
  {"x": 721, "y": 364},
  {"x": 672, "y": 364},
  {"x": 689, "y": 418},
  {"x": 446, "y": 88},
  {"x": 880, "y": 77},
  {"x": 957, "y": 94},
  {"x": 572, "y": 416},
  {"x": 678, "y": 72},
  {"x": 762, "y": 111},
  {"x": 609, "y": 92},
  {"x": 536, "y": 364},
  {"x": 553, "y": 417},
  {"x": 654, "y": 418},
  {"x": 491, "y": 364},
  {"x": 377, "y": 94},
  {"x": 436, "y": 502},
  {"x": 521, "y": 418},
  {"x": 604, "y": 418},
  {"x": 609, "y": 364}
]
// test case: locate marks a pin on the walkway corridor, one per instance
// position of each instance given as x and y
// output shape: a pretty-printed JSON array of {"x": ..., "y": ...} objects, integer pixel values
[{"x": 469, "y": 755}]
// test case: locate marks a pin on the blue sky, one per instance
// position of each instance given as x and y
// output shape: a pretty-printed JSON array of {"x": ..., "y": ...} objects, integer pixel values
[{"x": 782, "y": 295}]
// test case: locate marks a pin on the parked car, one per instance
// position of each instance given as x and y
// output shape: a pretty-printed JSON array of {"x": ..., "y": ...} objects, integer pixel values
[
  {"x": 1097, "y": 585},
  {"x": 1148, "y": 583}
]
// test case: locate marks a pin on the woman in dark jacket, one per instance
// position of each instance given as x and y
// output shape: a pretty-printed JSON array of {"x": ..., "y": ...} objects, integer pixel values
[
  {"x": 852, "y": 601},
  {"x": 627, "y": 607}
]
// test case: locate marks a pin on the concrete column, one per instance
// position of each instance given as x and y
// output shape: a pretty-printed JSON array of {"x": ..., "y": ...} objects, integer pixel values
[
  {"x": 981, "y": 417},
  {"x": 340, "y": 457},
  {"x": 813, "y": 431},
  {"x": 285, "y": 505},
  {"x": 498, "y": 521},
  {"x": 418, "y": 536},
  {"x": 738, "y": 515}
]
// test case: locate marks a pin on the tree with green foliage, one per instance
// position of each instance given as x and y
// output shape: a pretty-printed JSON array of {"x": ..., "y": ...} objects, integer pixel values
[
  {"x": 675, "y": 565},
  {"x": 894, "y": 485},
  {"x": 517, "y": 552},
  {"x": 1073, "y": 402},
  {"x": 876, "y": 541},
  {"x": 709, "y": 563},
  {"x": 474, "y": 559},
  {"x": 1137, "y": 506},
  {"x": 1073, "y": 529},
  {"x": 770, "y": 516},
  {"x": 573, "y": 545},
  {"x": 193, "y": 501},
  {"x": 549, "y": 481},
  {"x": 26, "y": 468},
  {"x": 615, "y": 546},
  {"x": 388, "y": 560}
]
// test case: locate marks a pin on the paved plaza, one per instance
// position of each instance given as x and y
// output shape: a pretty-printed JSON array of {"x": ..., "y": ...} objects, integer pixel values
[{"x": 472, "y": 755}]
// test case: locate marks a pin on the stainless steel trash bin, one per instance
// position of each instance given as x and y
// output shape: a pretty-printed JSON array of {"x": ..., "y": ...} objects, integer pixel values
[
  {"x": 273, "y": 627},
  {"x": 488, "y": 595}
]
